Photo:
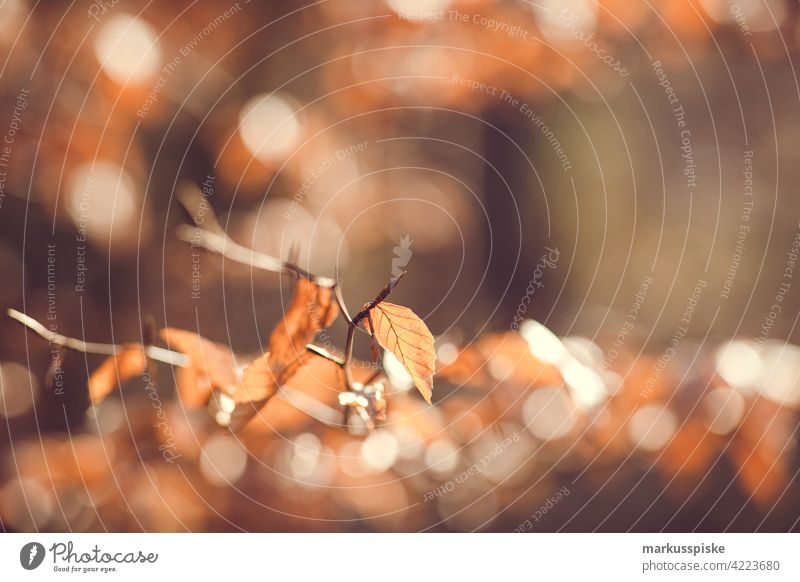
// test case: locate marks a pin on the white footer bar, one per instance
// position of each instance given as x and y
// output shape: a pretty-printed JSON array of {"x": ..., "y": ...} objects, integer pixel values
[{"x": 402, "y": 557}]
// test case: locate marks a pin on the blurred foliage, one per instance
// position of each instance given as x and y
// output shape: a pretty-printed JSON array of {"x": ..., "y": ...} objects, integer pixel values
[{"x": 345, "y": 127}]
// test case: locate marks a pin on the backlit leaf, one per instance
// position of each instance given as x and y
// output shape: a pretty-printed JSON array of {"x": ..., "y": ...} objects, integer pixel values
[{"x": 401, "y": 332}]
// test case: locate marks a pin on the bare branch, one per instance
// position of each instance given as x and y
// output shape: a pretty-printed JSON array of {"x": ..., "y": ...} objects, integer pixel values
[
  {"x": 303, "y": 402},
  {"x": 311, "y": 406},
  {"x": 152, "y": 352},
  {"x": 322, "y": 352},
  {"x": 216, "y": 240},
  {"x": 381, "y": 296},
  {"x": 348, "y": 355},
  {"x": 337, "y": 293}
]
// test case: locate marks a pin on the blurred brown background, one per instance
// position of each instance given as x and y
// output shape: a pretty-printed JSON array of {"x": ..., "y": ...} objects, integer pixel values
[{"x": 653, "y": 146}]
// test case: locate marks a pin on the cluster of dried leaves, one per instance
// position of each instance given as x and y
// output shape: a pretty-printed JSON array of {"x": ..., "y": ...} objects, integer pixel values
[
  {"x": 494, "y": 375},
  {"x": 497, "y": 371},
  {"x": 209, "y": 370}
]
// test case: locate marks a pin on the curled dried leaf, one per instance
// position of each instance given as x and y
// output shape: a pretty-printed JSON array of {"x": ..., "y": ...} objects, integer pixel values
[
  {"x": 117, "y": 369},
  {"x": 259, "y": 381},
  {"x": 312, "y": 309},
  {"x": 399, "y": 330}
]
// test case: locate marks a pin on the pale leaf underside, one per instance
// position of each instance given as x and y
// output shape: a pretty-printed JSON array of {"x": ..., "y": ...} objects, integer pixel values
[{"x": 400, "y": 331}]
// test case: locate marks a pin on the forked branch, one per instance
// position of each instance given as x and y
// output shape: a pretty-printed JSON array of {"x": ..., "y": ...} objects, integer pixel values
[{"x": 216, "y": 240}]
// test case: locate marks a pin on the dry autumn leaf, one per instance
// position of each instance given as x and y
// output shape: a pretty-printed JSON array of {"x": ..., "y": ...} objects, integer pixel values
[
  {"x": 117, "y": 369},
  {"x": 312, "y": 309},
  {"x": 400, "y": 331},
  {"x": 259, "y": 382},
  {"x": 211, "y": 366},
  {"x": 317, "y": 378}
]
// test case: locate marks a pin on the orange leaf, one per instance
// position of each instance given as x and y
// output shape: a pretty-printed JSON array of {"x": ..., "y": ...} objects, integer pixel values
[
  {"x": 211, "y": 366},
  {"x": 193, "y": 390},
  {"x": 129, "y": 362},
  {"x": 259, "y": 382},
  {"x": 312, "y": 309},
  {"x": 400, "y": 331}
]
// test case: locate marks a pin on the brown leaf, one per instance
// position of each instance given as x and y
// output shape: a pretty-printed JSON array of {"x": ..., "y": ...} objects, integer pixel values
[
  {"x": 315, "y": 377},
  {"x": 400, "y": 331},
  {"x": 129, "y": 362},
  {"x": 259, "y": 382},
  {"x": 211, "y": 366},
  {"x": 312, "y": 309},
  {"x": 193, "y": 390}
]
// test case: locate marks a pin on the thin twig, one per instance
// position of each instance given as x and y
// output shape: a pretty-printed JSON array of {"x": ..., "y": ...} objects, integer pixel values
[
  {"x": 308, "y": 404},
  {"x": 337, "y": 293},
  {"x": 348, "y": 355},
  {"x": 232, "y": 250},
  {"x": 322, "y": 352},
  {"x": 153, "y": 352},
  {"x": 380, "y": 297},
  {"x": 218, "y": 241}
]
